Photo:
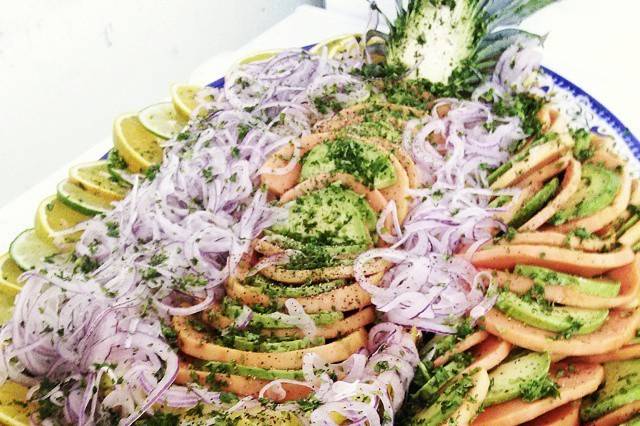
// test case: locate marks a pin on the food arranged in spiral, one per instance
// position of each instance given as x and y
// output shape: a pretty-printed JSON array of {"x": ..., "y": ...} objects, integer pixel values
[{"x": 378, "y": 231}]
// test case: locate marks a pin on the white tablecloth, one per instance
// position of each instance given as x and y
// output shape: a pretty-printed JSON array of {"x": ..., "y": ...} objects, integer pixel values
[{"x": 591, "y": 42}]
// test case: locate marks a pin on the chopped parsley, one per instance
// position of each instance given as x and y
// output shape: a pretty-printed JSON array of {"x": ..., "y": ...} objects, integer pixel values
[
  {"x": 542, "y": 387},
  {"x": 113, "y": 229},
  {"x": 159, "y": 418},
  {"x": 152, "y": 171}
]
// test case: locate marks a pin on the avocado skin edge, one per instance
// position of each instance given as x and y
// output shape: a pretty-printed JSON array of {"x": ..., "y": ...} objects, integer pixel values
[
  {"x": 621, "y": 387},
  {"x": 545, "y": 276},
  {"x": 535, "y": 203},
  {"x": 555, "y": 319},
  {"x": 508, "y": 376},
  {"x": 223, "y": 368}
]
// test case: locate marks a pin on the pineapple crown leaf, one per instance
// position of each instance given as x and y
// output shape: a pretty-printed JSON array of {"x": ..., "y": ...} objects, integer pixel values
[{"x": 486, "y": 21}]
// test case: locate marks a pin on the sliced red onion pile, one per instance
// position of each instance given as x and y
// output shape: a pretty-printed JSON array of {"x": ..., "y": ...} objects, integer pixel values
[
  {"x": 516, "y": 71},
  {"x": 174, "y": 240},
  {"x": 373, "y": 382},
  {"x": 430, "y": 287}
]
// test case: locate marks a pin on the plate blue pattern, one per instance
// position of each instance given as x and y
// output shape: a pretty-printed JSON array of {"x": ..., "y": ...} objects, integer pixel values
[{"x": 599, "y": 110}]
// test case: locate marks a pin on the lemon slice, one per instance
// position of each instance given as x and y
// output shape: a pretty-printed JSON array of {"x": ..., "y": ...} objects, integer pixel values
[
  {"x": 162, "y": 119},
  {"x": 7, "y": 297},
  {"x": 138, "y": 147},
  {"x": 53, "y": 217},
  {"x": 31, "y": 252},
  {"x": 334, "y": 44},
  {"x": 95, "y": 178},
  {"x": 14, "y": 410},
  {"x": 260, "y": 56},
  {"x": 9, "y": 274},
  {"x": 80, "y": 200},
  {"x": 117, "y": 168},
  {"x": 183, "y": 97}
]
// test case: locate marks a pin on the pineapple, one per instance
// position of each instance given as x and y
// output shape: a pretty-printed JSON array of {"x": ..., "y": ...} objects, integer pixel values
[{"x": 454, "y": 42}]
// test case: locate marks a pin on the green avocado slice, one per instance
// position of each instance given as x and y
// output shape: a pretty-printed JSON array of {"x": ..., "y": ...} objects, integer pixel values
[
  {"x": 273, "y": 289},
  {"x": 621, "y": 387},
  {"x": 519, "y": 156},
  {"x": 328, "y": 216},
  {"x": 628, "y": 224},
  {"x": 500, "y": 201},
  {"x": 364, "y": 161},
  {"x": 510, "y": 378},
  {"x": 447, "y": 402},
  {"x": 592, "y": 287},
  {"x": 439, "y": 376},
  {"x": 331, "y": 251},
  {"x": 559, "y": 319},
  {"x": 259, "y": 416},
  {"x": 597, "y": 190},
  {"x": 263, "y": 344},
  {"x": 502, "y": 169},
  {"x": 372, "y": 129},
  {"x": 632, "y": 422},
  {"x": 535, "y": 203},
  {"x": 269, "y": 321},
  {"x": 218, "y": 367}
]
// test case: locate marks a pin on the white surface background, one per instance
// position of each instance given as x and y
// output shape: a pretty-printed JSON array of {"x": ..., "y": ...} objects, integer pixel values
[
  {"x": 68, "y": 67},
  {"x": 591, "y": 42}
]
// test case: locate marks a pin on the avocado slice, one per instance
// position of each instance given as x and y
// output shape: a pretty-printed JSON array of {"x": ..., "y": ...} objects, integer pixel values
[
  {"x": 597, "y": 190},
  {"x": 273, "y": 289},
  {"x": 628, "y": 224},
  {"x": 263, "y": 416},
  {"x": 327, "y": 216},
  {"x": 330, "y": 251},
  {"x": 500, "y": 201},
  {"x": 263, "y": 344},
  {"x": 535, "y": 203},
  {"x": 621, "y": 387},
  {"x": 499, "y": 171},
  {"x": 218, "y": 367},
  {"x": 366, "y": 162},
  {"x": 559, "y": 319},
  {"x": 374, "y": 129},
  {"x": 268, "y": 321},
  {"x": 521, "y": 154},
  {"x": 582, "y": 147},
  {"x": 446, "y": 403},
  {"x": 509, "y": 378},
  {"x": 439, "y": 376},
  {"x": 592, "y": 287},
  {"x": 632, "y": 422}
]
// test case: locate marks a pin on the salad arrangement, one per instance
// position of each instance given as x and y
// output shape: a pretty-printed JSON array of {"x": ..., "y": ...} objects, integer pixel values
[{"x": 400, "y": 228}]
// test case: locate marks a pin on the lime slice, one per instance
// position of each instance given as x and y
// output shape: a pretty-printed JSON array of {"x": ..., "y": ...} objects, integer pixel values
[
  {"x": 53, "y": 217},
  {"x": 162, "y": 119},
  {"x": 29, "y": 251},
  {"x": 95, "y": 178},
  {"x": 84, "y": 202},
  {"x": 9, "y": 274},
  {"x": 183, "y": 97},
  {"x": 138, "y": 147},
  {"x": 14, "y": 410}
]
